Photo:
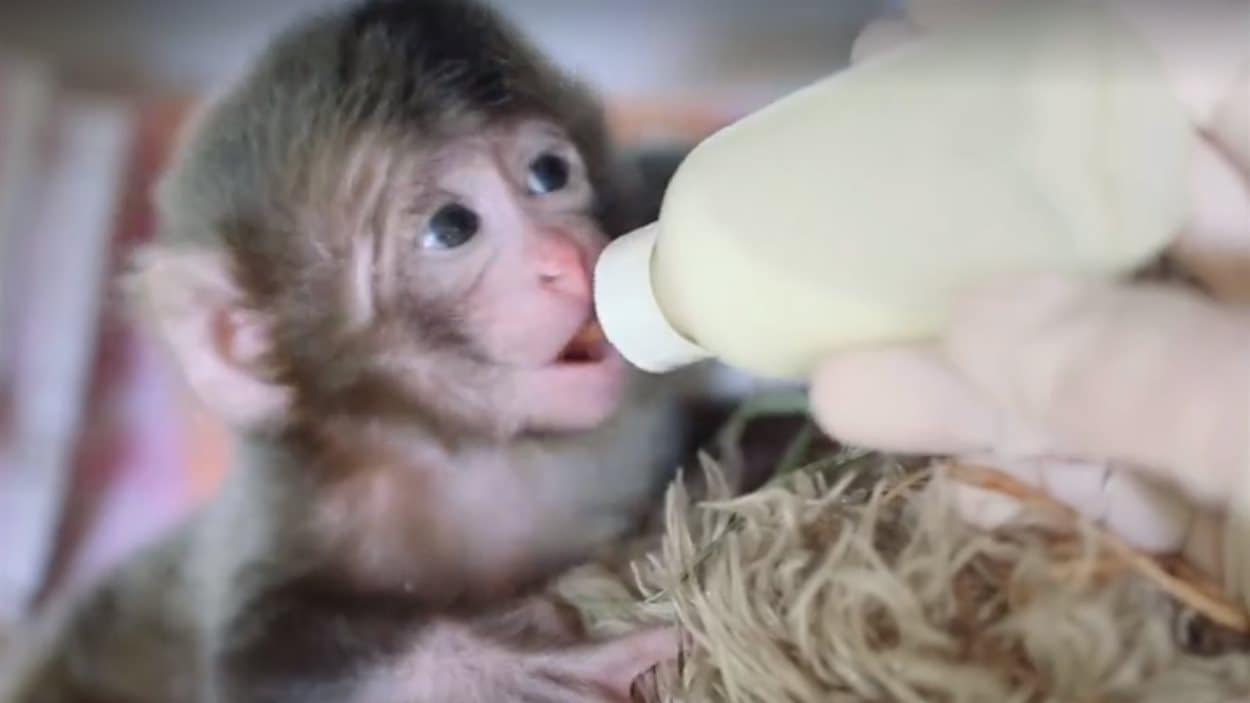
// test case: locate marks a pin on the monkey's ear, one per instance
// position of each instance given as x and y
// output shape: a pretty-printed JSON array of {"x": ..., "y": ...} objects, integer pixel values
[{"x": 192, "y": 302}]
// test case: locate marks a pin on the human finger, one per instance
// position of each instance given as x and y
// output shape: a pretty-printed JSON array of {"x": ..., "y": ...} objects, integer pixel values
[
  {"x": 1152, "y": 376},
  {"x": 902, "y": 399}
]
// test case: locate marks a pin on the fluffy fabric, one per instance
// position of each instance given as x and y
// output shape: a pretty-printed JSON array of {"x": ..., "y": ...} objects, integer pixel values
[{"x": 855, "y": 582}]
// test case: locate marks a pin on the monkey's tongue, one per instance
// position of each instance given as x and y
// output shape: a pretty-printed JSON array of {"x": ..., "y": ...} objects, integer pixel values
[{"x": 588, "y": 345}]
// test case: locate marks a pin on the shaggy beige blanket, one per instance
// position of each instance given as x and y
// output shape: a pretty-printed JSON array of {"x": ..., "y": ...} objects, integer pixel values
[{"x": 853, "y": 581}]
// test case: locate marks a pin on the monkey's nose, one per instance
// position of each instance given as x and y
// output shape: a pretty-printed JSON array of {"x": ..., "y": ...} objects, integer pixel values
[{"x": 562, "y": 268}]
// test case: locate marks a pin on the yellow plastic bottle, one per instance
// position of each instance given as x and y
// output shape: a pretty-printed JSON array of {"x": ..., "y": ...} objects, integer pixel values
[{"x": 1042, "y": 137}]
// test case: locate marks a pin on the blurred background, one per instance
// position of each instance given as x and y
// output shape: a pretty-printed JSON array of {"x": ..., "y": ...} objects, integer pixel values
[{"x": 100, "y": 447}]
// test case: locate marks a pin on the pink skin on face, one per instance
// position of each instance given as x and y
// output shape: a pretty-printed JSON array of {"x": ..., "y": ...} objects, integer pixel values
[
  {"x": 529, "y": 271},
  {"x": 545, "y": 327}
]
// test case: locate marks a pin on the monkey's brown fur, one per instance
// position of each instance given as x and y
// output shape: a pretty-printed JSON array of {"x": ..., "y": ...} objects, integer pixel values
[
  {"x": 328, "y": 570},
  {"x": 270, "y": 159}
]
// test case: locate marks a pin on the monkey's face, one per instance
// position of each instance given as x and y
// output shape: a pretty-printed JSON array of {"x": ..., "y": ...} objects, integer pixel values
[{"x": 502, "y": 238}]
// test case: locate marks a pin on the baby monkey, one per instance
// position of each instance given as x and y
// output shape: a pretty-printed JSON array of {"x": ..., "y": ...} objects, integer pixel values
[{"x": 375, "y": 260}]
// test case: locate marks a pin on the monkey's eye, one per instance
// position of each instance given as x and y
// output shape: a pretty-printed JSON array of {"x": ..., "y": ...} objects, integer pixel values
[
  {"x": 450, "y": 226},
  {"x": 548, "y": 173}
]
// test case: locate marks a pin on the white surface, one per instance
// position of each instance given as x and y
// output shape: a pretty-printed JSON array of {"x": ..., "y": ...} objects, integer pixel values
[
  {"x": 90, "y": 144},
  {"x": 25, "y": 98}
]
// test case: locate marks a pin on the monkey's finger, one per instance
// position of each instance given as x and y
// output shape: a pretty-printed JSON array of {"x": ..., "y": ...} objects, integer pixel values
[{"x": 614, "y": 665}]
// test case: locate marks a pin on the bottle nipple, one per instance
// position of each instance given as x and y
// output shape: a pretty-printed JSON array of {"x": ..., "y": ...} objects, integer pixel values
[{"x": 629, "y": 311}]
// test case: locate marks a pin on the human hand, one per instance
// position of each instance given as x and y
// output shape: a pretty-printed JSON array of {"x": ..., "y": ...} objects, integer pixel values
[{"x": 1109, "y": 397}]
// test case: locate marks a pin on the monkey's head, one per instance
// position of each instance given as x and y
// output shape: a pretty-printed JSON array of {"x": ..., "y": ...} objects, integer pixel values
[{"x": 394, "y": 217}]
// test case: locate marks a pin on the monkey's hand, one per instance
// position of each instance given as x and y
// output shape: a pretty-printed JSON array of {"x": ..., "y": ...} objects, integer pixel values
[
  {"x": 365, "y": 649},
  {"x": 1101, "y": 394},
  {"x": 548, "y": 632}
]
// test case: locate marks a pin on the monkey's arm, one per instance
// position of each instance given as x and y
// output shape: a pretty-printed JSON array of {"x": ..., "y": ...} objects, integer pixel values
[{"x": 309, "y": 643}]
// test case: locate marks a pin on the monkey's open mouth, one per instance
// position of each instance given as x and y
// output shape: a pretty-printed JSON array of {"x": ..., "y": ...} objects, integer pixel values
[{"x": 588, "y": 346}]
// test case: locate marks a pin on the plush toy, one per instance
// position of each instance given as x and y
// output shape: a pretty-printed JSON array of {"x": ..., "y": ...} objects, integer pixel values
[{"x": 854, "y": 579}]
